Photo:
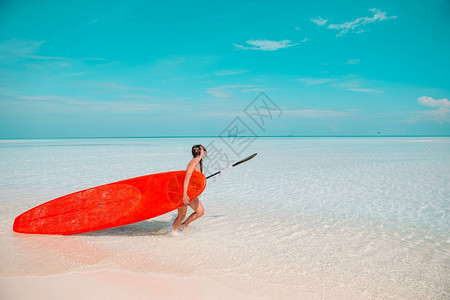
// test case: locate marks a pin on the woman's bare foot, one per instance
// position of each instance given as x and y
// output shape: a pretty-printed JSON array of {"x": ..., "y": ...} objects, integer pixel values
[{"x": 185, "y": 228}]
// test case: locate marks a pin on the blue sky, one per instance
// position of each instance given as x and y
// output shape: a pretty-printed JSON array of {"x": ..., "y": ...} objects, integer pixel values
[{"x": 148, "y": 68}]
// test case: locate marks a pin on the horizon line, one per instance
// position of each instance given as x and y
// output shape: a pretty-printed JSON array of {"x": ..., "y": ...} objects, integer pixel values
[{"x": 216, "y": 136}]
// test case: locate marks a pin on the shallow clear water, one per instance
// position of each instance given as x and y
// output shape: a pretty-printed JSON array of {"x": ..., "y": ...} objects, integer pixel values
[{"x": 318, "y": 217}]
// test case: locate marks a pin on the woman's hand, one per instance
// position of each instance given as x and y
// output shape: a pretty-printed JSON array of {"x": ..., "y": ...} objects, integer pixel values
[{"x": 186, "y": 199}]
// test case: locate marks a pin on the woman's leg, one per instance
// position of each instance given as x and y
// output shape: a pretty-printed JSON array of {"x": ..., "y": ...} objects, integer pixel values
[
  {"x": 181, "y": 214},
  {"x": 197, "y": 206}
]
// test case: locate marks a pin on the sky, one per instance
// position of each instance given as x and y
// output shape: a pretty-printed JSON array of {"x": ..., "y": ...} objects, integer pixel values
[{"x": 202, "y": 68}]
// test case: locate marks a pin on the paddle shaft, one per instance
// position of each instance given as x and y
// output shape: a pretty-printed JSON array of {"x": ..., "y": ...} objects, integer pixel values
[{"x": 233, "y": 165}]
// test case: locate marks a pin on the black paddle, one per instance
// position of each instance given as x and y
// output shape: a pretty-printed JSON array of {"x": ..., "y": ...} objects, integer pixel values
[{"x": 233, "y": 165}]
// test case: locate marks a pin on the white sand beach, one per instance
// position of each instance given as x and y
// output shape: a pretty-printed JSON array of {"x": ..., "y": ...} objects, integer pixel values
[{"x": 115, "y": 285}]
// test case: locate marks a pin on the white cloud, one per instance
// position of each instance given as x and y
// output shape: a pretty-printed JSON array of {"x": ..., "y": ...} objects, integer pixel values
[
  {"x": 430, "y": 102},
  {"x": 357, "y": 25},
  {"x": 28, "y": 48},
  {"x": 365, "y": 90},
  {"x": 258, "y": 90},
  {"x": 440, "y": 114},
  {"x": 119, "y": 87},
  {"x": 319, "y": 21},
  {"x": 52, "y": 98},
  {"x": 25, "y": 48},
  {"x": 266, "y": 45},
  {"x": 318, "y": 113},
  {"x": 225, "y": 91},
  {"x": 353, "y": 61},
  {"x": 350, "y": 83},
  {"x": 354, "y": 83},
  {"x": 20, "y": 46},
  {"x": 315, "y": 81},
  {"x": 88, "y": 105},
  {"x": 305, "y": 40},
  {"x": 230, "y": 72},
  {"x": 41, "y": 57}
]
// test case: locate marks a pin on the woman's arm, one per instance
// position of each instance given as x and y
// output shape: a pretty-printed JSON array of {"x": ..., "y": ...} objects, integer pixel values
[{"x": 189, "y": 170}]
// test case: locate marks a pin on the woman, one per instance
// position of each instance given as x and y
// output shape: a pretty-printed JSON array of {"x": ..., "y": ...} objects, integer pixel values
[{"x": 198, "y": 152}]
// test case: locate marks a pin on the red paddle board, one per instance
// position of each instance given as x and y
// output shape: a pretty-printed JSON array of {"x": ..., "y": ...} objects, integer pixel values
[{"x": 111, "y": 205}]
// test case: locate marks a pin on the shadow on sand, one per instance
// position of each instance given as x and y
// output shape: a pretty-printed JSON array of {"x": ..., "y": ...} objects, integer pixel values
[{"x": 144, "y": 228}]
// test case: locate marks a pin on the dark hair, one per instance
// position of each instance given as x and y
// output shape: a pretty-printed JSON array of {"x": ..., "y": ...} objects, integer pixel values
[{"x": 196, "y": 150}]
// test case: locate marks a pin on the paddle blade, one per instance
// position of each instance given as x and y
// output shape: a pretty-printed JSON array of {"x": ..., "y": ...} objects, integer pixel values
[
  {"x": 234, "y": 165},
  {"x": 245, "y": 159}
]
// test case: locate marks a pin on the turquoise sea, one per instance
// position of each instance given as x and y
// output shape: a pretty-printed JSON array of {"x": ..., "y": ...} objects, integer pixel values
[{"x": 308, "y": 217}]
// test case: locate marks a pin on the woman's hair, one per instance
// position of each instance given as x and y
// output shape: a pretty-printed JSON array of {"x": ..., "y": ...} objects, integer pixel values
[{"x": 196, "y": 150}]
